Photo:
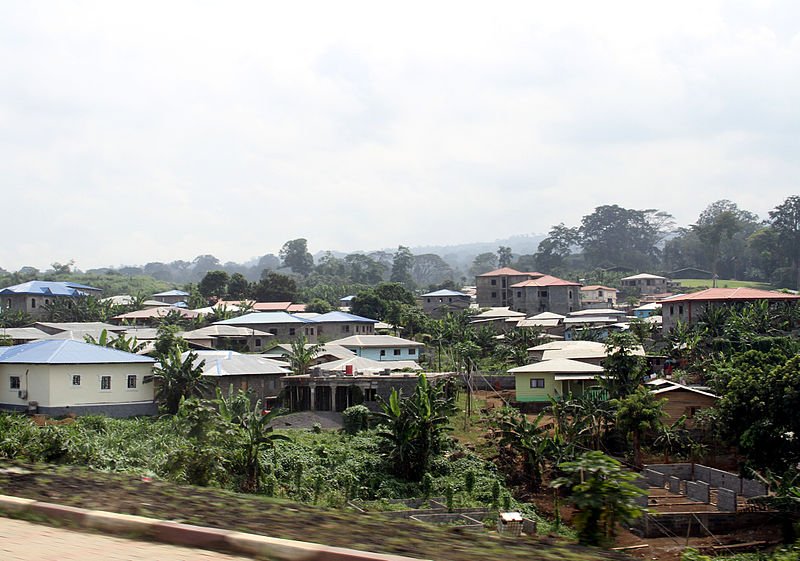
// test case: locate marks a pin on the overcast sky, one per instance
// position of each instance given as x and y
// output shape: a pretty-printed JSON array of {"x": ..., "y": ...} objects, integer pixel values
[{"x": 154, "y": 131}]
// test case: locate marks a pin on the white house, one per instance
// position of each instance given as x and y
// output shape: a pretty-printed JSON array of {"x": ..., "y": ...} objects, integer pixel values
[
  {"x": 381, "y": 347},
  {"x": 58, "y": 377}
]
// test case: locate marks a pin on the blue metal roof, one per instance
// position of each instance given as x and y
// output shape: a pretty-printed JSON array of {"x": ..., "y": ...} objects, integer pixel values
[
  {"x": 264, "y": 318},
  {"x": 49, "y": 288},
  {"x": 172, "y": 293},
  {"x": 341, "y": 317},
  {"x": 52, "y": 351},
  {"x": 444, "y": 292}
]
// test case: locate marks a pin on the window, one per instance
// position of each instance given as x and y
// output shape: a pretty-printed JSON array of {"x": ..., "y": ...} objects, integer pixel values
[
  {"x": 273, "y": 331},
  {"x": 570, "y": 294},
  {"x": 105, "y": 383},
  {"x": 370, "y": 394},
  {"x": 542, "y": 294},
  {"x": 396, "y": 352},
  {"x": 680, "y": 310},
  {"x": 76, "y": 380},
  {"x": 537, "y": 383},
  {"x": 494, "y": 294},
  {"x": 429, "y": 300},
  {"x": 46, "y": 302},
  {"x": 291, "y": 331},
  {"x": 494, "y": 282},
  {"x": 383, "y": 352},
  {"x": 519, "y": 294},
  {"x": 131, "y": 381},
  {"x": 258, "y": 342},
  {"x": 412, "y": 351},
  {"x": 346, "y": 328},
  {"x": 33, "y": 302},
  {"x": 672, "y": 310},
  {"x": 14, "y": 382}
]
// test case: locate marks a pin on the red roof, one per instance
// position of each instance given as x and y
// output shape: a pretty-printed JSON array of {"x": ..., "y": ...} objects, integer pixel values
[
  {"x": 502, "y": 272},
  {"x": 741, "y": 293},
  {"x": 545, "y": 280},
  {"x": 597, "y": 287},
  {"x": 271, "y": 306}
]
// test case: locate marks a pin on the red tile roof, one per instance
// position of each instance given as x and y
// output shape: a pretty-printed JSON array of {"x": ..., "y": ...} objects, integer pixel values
[
  {"x": 271, "y": 306},
  {"x": 741, "y": 293},
  {"x": 502, "y": 272},
  {"x": 545, "y": 280},
  {"x": 597, "y": 287}
]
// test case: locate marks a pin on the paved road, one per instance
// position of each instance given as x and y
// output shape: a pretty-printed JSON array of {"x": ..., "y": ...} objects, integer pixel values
[{"x": 24, "y": 541}]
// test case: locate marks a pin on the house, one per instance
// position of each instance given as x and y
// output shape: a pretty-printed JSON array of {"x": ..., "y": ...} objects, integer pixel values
[
  {"x": 79, "y": 329},
  {"x": 682, "y": 400},
  {"x": 364, "y": 365},
  {"x": 21, "y": 335},
  {"x": 58, "y": 377},
  {"x": 689, "y": 308},
  {"x": 598, "y": 296},
  {"x": 228, "y": 336},
  {"x": 647, "y": 310},
  {"x": 500, "y": 319},
  {"x": 171, "y": 296},
  {"x": 151, "y": 316},
  {"x": 381, "y": 347},
  {"x": 252, "y": 373},
  {"x": 337, "y": 391},
  {"x": 342, "y": 324},
  {"x": 597, "y": 320},
  {"x": 550, "y": 323},
  {"x": 592, "y": 352},
  {"x": 34, "y": 297},
  {"x": 645, "y": 284},
  {"x": 493, "y": 289},
  {"x": 545, "y": 293},
  {"x": 556, "y": 378},
  {"x": 345, "y": 302},
  {"x": 439, "y": 303},
  {"x": 283, "y": 326}
]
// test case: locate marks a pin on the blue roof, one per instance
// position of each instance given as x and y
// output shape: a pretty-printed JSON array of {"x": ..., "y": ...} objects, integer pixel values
[
  {"x": 172, "y": 293},
  {"x": 444, "y": 292},
  {"x": 264, "y": 318},
  {"x": 53, "y": 351},
  {"x": 49, "y": 288},
  {"x": 340, "y": 317}
]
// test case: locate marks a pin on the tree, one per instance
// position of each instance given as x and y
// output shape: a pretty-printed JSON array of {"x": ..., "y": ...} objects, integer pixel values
[
  {"x": 259, "y": 436},
  {"x": 363, "y": 269},
  {"x": 120, "y": 342},
  {"x": 384, "y": 302},
  {"x": 295, "y": 255},
  {"x": 429, "y": 268},
  {"x": 319, "y": 306},
  {"x": 401, "y": 266},
  {"x": 621, "y": 236},
  {"x": 483, "y": 263},
  {"x": 602, "y": 492},
  {"x": 214, "y": 284},
  {"x": 556, "y": 247},
  {"x": 179, "y": 378},
  {"x": 785, "y": 221},
  {"x": 275, "y": 287},
  {"x": 168, "y": 340},
  {"x": 716, "y": 228},
  {"x": 624, "y": 369},
  {"x": 238, "y": 287},
  {"x": 504, "y": 256},
  {"x": 413, "y": 428},
  {"x": 302, "y": 355},
  {"x": 637, "y": 414}
]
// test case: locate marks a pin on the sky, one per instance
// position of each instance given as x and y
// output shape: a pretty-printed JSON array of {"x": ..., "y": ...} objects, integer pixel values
[{"x": 152, "y": 131}]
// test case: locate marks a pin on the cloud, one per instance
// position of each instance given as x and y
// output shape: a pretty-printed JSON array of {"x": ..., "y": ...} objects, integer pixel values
[{"x": 150, "y": 132}]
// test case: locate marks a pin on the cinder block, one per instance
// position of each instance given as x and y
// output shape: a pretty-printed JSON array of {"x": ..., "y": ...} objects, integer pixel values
[
  {"x": 674, "y": 484},
  {"x": 726, "y": 500}
]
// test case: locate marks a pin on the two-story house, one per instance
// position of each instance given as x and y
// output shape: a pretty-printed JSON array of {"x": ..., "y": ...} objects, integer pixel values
[
  {"x": 439, "y": 303},
  {"x": 645, "y": 284},
  {"x": 381, "y": 347},
  {"x": 546, "y": 293},
  {"x": 493, "y": 289},
  {"x": 34, "y": 297},
  {"x": 598, "y": 296}
]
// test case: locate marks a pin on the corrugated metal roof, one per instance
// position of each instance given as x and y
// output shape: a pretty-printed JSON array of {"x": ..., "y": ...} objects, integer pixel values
[
  {"x": 741, "y": 293},
  {"x": 505, "y": 271},
  {"x": 444, "y": 292},
  {"x": 561, "y": 365},
  {"x": 644, "y": 276},
  {"x": 363, "y": 364},
  {"x": 264, "y": 318},
  {"x": 172, "y": 293},
  {"x": 375, "y": 341},
  {"x": 331, "y": 317},
  {"x": 67, "y": 352},
  {"x": 545, "y": 280},
  {"x": 48, "y": 288}
]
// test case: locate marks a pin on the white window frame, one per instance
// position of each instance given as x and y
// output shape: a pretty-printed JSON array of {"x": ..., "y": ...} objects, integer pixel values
[
  {"x": 537, "y": 381},
  {"x": 135, "y": 383},
  {"x": 102, "y": 378},
  {"x": 11, "y": 380},
  {"x": 73, "y": 378}
]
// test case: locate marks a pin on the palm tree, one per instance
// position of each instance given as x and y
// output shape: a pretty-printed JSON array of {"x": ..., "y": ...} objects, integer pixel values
[
  {"x": 179, "y": 378},
  {"x": 302, "y": 355}
]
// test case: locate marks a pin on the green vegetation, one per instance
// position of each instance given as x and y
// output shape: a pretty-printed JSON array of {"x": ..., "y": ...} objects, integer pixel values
[{"x": 724, "y": 283}]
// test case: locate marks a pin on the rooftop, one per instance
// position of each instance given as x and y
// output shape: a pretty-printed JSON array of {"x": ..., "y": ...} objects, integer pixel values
[
  {"x": 597, "y": 287},
  {"x": 545, "y": 280},
  {"x": 172, "y": 293},
  {"x": 264, "y": 318},
  {"x": 561, "y": 365},
  {"x": 741, "y": 293},
  {"x": 644, "y": 276},
  {"x": 444, "y": 292},
  {"x": 375, "y": 341},
  {"x": 332, "y": 317},
  {"x": 67, "y": 352},
  {"x": 48, "y": 288}
]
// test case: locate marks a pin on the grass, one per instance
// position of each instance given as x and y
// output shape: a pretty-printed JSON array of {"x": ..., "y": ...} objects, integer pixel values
[{"x": 723, "y": 283}]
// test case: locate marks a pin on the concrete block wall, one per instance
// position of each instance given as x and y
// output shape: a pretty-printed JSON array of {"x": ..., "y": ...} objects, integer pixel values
[
  {"x": 726, "y": 500},
  {"x": 698, "y": 491},
  {"x": 653, "y": 477},
  {"x": 674, "y": 484},
  {"x": 752, "y": 488},
  {"x": 681, "y": 471}
]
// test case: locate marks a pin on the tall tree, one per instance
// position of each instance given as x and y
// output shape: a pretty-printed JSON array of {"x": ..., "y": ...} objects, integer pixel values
[
  {"x": 214, "y": 284},
  {"x": 483, "y": 263},
  {"x": 401, "y": 266},
  {"x": 295, "y": 255},
  {"x": 552, "y": 250},
  {"x": 504, "y": 256},
  {"x": 274, "y": 287},
  {"x": 364, "y": 269},
  {"x": 785, "y": 221},
  {"x": 238, "y": 287},
  {"x": 429, "y": 268}
]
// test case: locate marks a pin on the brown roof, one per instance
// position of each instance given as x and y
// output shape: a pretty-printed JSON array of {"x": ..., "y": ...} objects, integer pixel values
[
  {"x": 545, "y": 280},
  {"x": 502, "y": 272},
  {"x": 741, "y": 293},
  {"x": 271, "y": 306},
  {"x": 597, "y": 287}
]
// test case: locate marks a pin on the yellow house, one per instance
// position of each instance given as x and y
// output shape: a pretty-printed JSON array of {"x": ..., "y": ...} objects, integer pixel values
[
  {"x": 59, "y": 377},
  {"x": 556, "y": 378}
]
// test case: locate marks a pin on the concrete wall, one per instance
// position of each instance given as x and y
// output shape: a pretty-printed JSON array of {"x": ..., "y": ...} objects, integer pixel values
[
  {"x": 726, "y": 500},
  {"x": 695, "y": 524},
  {"x": 526, "y": 393},
  {"x": 714, "y": 477},
  {"x": 654, "y": 478},
  {"x": 674, "y": 484},
  {"x": 492, "y": 382},
  {"x": 681, "y": 471},
  {"x": 698, "y": 491}
]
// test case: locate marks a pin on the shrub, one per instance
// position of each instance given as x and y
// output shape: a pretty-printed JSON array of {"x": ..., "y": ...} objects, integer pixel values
[{"x": 355, "y": 419}]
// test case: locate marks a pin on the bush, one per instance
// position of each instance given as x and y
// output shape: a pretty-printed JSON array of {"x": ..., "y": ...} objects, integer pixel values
[{"x": 355, "y": 419}]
